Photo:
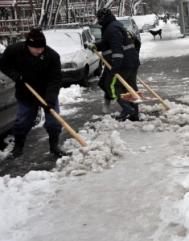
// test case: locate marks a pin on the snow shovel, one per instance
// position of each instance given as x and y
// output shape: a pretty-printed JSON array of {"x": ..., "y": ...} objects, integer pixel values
[
  {"x": 153, "y": 93},
  {"x": 136, "y": 97},
  {"x": 57, "y": 117},
  {"x": 143, "y": 83}
]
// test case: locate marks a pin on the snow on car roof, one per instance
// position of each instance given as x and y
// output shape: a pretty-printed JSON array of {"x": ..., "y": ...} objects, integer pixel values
[
  {"x": 70, "y": 28},
  {"x": 63, "y": 41}
]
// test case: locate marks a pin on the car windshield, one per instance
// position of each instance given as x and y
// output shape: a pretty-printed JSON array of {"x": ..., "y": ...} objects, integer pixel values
[
  {"x": 63, "y": 39},
  {"x": 126, "y": 23},
  {"x": 96, "y": 32}
]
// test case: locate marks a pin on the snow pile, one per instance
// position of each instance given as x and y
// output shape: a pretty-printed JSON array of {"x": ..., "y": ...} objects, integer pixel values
[
  {"x": 73, "y": 94},
  {"x": 104, "y": 148},
  {"x": 18, "y": 197},
  {"x": 106, "y": 142}
]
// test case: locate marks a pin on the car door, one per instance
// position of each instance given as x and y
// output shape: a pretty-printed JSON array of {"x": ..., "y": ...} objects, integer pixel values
[{"x": 7, "y": 103}]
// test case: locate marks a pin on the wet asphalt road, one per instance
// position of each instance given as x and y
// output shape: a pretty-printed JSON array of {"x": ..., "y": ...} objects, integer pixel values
[{"x": 168, "y": 76}]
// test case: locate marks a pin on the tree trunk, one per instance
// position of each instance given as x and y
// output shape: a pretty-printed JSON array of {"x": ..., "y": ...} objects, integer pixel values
[
  {"x": 108, "y": 4},
  {"x": 42, "y": 13},
  {"x": 50, "y": 14},
  {"x": 57, "y": 11}
]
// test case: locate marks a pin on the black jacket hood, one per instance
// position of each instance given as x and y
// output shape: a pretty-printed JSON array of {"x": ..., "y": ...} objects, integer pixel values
[{"x": 107, "y": 20}]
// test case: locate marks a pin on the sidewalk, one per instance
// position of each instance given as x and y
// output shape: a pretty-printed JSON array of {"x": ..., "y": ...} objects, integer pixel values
[{"x": 125, "y": 203}]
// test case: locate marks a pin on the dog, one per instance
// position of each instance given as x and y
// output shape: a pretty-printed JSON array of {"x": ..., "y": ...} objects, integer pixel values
[{"x": 156, "y": 32}]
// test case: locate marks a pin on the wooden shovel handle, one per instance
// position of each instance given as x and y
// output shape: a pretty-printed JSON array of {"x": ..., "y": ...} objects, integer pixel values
[
  {"x": 153, "y": 93},
  {"x": 119, "y": 77},
  {"x": 58, "y": 117}
]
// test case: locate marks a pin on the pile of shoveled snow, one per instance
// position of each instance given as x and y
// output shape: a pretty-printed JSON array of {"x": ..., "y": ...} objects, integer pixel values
[{"x": 106, "y": 138}]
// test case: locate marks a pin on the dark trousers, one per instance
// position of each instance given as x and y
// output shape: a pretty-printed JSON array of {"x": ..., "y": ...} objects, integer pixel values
[
  {"x": 128, "y": 108},
  {"x": 26, "y": 116},
  {"x": 113, "y": 89}
]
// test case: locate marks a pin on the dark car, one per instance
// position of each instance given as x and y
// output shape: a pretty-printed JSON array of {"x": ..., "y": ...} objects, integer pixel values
[{"x": 8, "y": 104}]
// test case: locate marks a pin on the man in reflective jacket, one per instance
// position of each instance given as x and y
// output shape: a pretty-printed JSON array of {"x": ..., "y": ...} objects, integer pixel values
[{"x": 118, "y": 49}]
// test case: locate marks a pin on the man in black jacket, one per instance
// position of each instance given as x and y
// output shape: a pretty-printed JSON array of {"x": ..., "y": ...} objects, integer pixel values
[
  {"x": 33, "y": 62},
  {"x": 119, "y": 50}
]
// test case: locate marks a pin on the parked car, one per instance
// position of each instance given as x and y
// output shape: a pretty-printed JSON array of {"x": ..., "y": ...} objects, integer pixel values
[
  {"x": 96, "y": 32},
  {"x": 77, "y": 61},
  {"x": 129, "y": 24},
  {"x": 8, "y": 104},
  {"x": 7, "y": 100},
  {"x": 146, "y": 22}
]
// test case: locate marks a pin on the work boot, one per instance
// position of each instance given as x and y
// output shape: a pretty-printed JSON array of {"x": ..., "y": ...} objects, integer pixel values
[
  {"x": 54, "y": 148},
  {"x": 135, "y": 116},
  {"x": 122, "y": 117},
  {"x": 127, "y": 110}
]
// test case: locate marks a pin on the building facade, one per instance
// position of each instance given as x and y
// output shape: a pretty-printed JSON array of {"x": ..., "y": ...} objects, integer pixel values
[{"x": 184, "y": 16}]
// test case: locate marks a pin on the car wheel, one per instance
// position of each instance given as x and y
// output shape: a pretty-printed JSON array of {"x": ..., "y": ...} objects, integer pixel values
[{"x": 85, "y": 81}]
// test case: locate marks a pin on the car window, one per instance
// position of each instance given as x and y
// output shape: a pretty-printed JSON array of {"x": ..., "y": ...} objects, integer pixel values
[
  {"x": 126, "y": 23},
  {"x": 134, "y": 24},
  {"x": 84, "y": 37},
  {"x": 96, "y": 32},
  {"x": 88, "y": 35}
]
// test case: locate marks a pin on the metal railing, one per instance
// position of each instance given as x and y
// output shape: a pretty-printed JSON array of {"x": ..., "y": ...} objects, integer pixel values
[{"x": 15, "y": 26}]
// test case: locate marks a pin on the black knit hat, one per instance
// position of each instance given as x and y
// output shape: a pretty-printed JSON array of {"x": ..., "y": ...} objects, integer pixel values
[
  {"x": 35, "y": 38},
  {"x": 103, "y": 12}
]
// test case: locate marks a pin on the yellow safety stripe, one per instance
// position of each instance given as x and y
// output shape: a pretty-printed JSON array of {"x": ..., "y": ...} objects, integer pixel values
[{"x": 112, "y": 87}]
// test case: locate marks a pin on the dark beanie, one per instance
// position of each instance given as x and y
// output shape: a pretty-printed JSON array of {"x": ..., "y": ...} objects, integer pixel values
[{"x": 35, "y": 38}]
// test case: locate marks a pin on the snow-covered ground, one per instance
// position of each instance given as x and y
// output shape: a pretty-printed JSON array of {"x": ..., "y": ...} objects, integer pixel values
[
  {"x": 172, "y": 43},
  {"x": 136, "y": 183}
]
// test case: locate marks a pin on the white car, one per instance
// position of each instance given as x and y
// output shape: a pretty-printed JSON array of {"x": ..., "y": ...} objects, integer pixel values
[
  {"x": 146, "y": 22},
  {"x": 77, "y": 61}
]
